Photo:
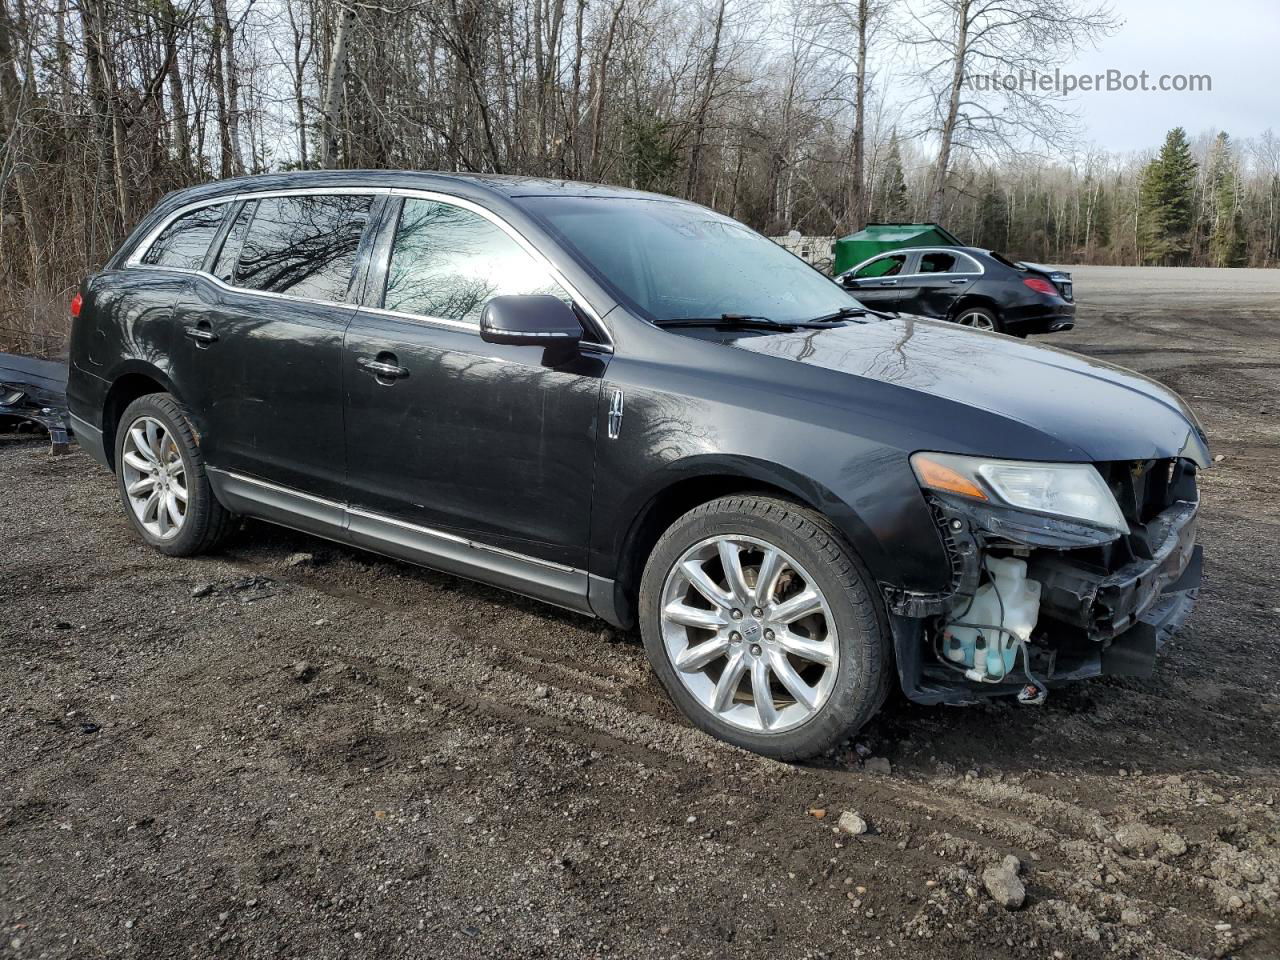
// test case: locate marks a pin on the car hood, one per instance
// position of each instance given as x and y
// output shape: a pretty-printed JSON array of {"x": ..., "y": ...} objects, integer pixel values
[{"x": 1104, "y": 411}]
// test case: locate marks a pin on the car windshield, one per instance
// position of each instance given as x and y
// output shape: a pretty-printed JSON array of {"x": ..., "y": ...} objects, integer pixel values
[{"x": 669, "y": 260}]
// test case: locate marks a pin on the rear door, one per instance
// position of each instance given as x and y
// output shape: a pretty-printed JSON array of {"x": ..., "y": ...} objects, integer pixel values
[
  {"x": 940, "y": 277},
  {"x": 258, "y": 342},
  {"x": 483, "y": 441},
  {"x": 128, "y": 316}
]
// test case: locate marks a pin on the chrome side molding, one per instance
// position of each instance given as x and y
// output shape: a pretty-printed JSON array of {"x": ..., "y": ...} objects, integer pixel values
[{"x": 544, "y": 580}]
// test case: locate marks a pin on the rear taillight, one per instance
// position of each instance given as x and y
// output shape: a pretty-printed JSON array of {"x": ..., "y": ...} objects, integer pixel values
[
  {"x": 76, "y": 303},
  {"x": 1040, "y": 285}
]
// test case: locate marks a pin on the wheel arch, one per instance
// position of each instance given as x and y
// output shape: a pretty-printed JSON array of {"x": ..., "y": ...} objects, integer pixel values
[
  {"x": 974, "y": 300},
  {"x": 705, "y": 479},
  {"x": 132, "y": 380}
]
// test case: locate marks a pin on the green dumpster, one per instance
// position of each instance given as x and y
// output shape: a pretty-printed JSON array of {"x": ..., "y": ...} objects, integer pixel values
[{"x": 879, "y": 237}]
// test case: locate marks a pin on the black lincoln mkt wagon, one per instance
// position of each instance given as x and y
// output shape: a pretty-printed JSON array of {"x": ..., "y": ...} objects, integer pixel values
[{"x": 636, "y": 408}]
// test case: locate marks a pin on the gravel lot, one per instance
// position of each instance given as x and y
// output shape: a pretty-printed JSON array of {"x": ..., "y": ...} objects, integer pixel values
[{"x": 259, "y": 754}]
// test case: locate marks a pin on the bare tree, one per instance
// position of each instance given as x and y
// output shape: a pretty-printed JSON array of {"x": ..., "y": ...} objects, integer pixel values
[
  {"x": 334, "y": 88},
  {"x": 969, "y": 48},
  {"x": 774, "y": 113}
]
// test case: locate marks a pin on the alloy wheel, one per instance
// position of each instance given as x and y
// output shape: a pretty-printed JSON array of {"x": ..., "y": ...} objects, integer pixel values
[
  {"x": 155, "y": 478},
  {"x": 979, "y": 321},
  {"x": 749, "y": 633}
]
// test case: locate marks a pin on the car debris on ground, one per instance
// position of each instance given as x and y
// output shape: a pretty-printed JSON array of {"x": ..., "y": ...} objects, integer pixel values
[{"x": 34, "y": 392}]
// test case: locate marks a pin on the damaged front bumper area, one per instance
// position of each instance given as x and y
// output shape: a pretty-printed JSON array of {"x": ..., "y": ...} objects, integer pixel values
[{"x": 1101, "y": 604}]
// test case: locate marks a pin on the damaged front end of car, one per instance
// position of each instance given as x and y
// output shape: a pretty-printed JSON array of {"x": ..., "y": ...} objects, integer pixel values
[{"x": 1059, "y": 572}]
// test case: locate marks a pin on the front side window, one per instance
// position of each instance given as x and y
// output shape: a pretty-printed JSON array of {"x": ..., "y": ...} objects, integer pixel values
[
  {"x": 184, "y": 243},
  {"x": 304, "y": 246},
  {"x": 889, "y": 266},
  {"x": 447, "y": 263}
]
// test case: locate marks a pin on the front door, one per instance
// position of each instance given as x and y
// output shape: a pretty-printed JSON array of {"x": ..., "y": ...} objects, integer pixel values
[
  {"x": 258, "y": 340},
  {"x": 478, "y": 441},
  {"x": 877, "y": 284}
]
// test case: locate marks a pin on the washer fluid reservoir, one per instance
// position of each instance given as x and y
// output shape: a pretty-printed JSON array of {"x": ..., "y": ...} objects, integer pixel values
[{"x": 1009, "y": 600}]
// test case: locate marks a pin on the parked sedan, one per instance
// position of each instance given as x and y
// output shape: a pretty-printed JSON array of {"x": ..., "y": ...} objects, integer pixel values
[
  {"x": 639, "y": 409},
  {"x": 972, "y": 287}
]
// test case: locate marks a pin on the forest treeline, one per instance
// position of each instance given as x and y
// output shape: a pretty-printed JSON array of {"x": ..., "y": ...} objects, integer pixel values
[{"x": 808, "y": 115}]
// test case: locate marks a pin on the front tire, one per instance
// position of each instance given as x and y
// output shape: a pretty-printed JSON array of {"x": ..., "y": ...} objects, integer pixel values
[
  {"x": 763, "y": 627},
  {"x": 161, "y": 476}
]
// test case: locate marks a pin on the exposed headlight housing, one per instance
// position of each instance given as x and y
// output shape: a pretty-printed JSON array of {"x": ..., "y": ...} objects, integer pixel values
[{"x": 1073, "y": 490}]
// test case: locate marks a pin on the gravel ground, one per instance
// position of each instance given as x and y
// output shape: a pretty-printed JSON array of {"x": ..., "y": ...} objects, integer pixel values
[{"x": 261, "y": 754}]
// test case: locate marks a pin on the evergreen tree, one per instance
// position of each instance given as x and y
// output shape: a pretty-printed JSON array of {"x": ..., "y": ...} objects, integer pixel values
[
  {"x": 1166, "y": 210},
  {"x": 649, "y": 155},
  {"x": 895, "y": 201},
  {"x": 993, "y": 217},
  {"x": 1226, "y": 226}
]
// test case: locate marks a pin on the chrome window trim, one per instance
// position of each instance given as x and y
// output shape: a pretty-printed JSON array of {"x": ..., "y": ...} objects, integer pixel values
[
  {"x": 347, "y": 508},
  {"x": 146, "y": 243},
  {"x": 952, "y": 273},
  {"x": 462, "y": 326},
  {"x": 981, "y": 271},
  {"x": 135, "y": 258},
  {"x": 134, "y": 261},
  {"x": 420, "y": 318},
  {"x": 241, "y": 290}
]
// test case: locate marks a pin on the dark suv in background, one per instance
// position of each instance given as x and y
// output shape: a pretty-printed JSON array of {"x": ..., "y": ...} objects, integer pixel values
[{"x": 636, "y": 408}]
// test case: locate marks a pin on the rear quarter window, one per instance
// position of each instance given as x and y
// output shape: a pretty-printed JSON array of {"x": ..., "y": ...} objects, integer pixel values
[{"x": 185, "y": 242}]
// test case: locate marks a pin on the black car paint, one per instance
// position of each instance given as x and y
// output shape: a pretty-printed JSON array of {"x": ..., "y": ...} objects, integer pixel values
[
  {"x": 492, "y": 448},
  {"x": 944, "y": 296}
]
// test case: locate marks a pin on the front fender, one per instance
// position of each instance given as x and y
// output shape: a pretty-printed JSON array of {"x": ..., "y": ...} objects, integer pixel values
[
  {"x": 679, "y": 450},
  {"x": 739, "y": 471}
]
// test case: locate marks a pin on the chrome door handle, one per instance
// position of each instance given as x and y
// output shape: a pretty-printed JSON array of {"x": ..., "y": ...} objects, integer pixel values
[
  {"x": 890, "y": 283},
  {"x": 960, "y": 280},
  {"x": 201, "y": 334},
  {"x": 382, "y": 369}
]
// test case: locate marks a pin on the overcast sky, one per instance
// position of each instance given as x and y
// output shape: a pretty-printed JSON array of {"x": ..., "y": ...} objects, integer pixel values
[{"x": 1236, "y": 42}]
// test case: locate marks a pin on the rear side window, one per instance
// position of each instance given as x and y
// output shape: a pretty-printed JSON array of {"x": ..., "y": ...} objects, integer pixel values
[
  {"x": 303, "y": 246},
  {"x": 185, "y": 242},
  {"x": 937, "y": 263},
  {"x": 448, "y": 262}
]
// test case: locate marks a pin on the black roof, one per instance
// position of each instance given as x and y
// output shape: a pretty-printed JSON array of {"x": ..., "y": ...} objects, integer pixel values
[
  {"x": 493, "y": 190},
  {"x": 502, "y": 185}
]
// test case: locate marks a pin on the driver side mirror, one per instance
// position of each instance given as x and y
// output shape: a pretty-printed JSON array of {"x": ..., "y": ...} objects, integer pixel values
[
  {"x": 536, "y": 320},
  {"x": 849, "y": 282}
]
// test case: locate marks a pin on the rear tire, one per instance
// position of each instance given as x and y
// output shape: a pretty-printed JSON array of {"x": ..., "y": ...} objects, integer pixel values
[
  {"x": 980, "y": 318},
  {"x": 161, "y": 476},
  {"x": 716, "y": 636}
]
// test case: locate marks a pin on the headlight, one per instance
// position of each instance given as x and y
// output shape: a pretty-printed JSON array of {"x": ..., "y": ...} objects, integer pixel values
[{"x": 1074, "y": 490}]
